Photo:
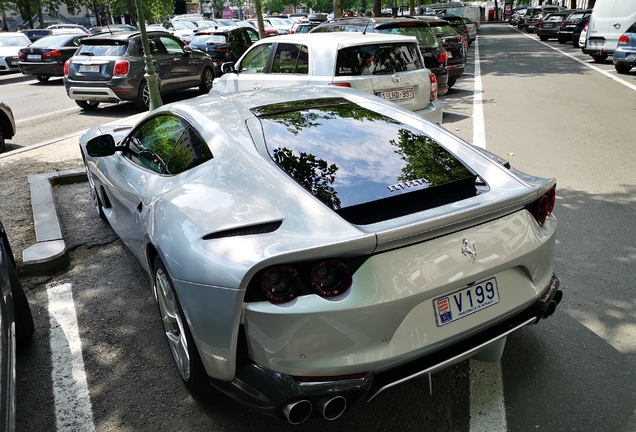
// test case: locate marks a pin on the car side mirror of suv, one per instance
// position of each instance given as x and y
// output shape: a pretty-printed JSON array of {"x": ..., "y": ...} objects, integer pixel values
[
  {"x": 187, "y": 50},
  {"x": 228, "y": 67}
]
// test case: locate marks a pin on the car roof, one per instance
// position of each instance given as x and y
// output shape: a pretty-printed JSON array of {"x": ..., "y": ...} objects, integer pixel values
[
  {"x": 219, "y": 29},
  {"x": 342, "y": 39},
  {"x": 123, "y": 35}
]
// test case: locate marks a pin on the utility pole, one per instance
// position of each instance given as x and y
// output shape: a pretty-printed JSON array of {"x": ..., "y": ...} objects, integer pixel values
[{"x": 151, "y": 76}]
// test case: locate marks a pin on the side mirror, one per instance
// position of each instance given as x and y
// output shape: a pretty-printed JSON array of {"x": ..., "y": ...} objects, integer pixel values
[
  {"x": 187, "y": 50},
  {"x": 100, "y": 146},
  {"x": 228, "y": 68}
]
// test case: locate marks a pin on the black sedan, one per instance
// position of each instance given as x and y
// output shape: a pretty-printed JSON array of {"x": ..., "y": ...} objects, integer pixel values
[
  {"x": 455, "y": 44},
  {"x": 224, "y": 44},
  {"x": 7, "y": 124},
  {"x": 16, "y": 329},
  {"x": 45, "y": 57}
]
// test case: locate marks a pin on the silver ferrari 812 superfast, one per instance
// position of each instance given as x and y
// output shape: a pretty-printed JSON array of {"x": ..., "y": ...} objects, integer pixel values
[{"x": 310, "y": 247}]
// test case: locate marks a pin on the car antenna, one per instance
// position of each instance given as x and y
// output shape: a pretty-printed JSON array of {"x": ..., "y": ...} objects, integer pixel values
[
  {"x": 108, "y": 25},
  {"x": 366, "y": 26}
]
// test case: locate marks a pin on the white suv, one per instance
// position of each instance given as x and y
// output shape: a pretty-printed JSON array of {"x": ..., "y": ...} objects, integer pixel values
[{"x": 388, "y": 66}]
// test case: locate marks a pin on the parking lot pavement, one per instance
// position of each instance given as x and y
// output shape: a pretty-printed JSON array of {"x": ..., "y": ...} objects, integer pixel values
[{"x": 29, "y": 176}]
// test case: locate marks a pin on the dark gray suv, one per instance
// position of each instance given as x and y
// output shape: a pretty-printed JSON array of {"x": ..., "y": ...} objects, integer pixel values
[{"x": 110, "y": 68}]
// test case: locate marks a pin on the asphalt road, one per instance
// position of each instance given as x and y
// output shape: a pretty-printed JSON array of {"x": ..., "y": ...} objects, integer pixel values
[{"x": 550, "y": 112}]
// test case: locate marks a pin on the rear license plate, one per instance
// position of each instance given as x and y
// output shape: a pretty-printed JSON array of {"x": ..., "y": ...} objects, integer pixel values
[
  {"x": 89, "y": 68},
  {"x": 34, "y": 57},
  {"x": 630, "y": 57},
  {"x": 467, "y": 301},
  {"x": 596, "y": 42},
  {"x": 547, "y": 25},
  {"x": 393, "y": 95},
  {"x": 13, "y": 62}
]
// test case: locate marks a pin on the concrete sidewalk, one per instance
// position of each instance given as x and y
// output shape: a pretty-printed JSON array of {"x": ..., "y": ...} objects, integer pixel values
[{"x": 46, "y": 165}]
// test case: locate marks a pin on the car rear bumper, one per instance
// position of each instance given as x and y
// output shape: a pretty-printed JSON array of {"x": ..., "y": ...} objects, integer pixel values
[
  {"x": 93, "y": 94},
  {"x": 280, "y": 395},
  {"x": 433, "y": 112},
  {"x": 42, "y": 69}
]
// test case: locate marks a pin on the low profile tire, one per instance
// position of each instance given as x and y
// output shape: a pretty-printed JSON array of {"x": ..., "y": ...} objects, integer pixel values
[
  {"x": 575, "y": 43},
  {"x": 207, "y": 78},
  {"x": 184, "y": 351},
  {"x": 543, "y": 38},
  {"x": 622, "y": 68},
  {"x": 87, "y": 105},
  {"x": 529, "y": 31},
  {"x": 42, "y": 78},
  {"x": 24, "y": 326},
  {"x": 562, "y": 41},
  {"x": 143, "y": 97},
  {"x": 599, "y": 58},
  {"x": 451, "y": 82}
]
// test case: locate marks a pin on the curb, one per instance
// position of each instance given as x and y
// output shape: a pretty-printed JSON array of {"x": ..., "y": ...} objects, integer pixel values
[{"x": 49, "y": 253}]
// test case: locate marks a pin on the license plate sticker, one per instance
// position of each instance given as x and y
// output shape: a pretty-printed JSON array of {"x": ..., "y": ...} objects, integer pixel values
[
  {"x": 392, "y": 95},
  {"x": 467, "y": 301},
  {"x": 89, "y": 68},
  {"x": 34, "y": 57}
]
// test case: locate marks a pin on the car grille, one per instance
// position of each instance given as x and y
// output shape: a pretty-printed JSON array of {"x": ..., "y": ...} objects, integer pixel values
[{"x": 12, "y": 61}]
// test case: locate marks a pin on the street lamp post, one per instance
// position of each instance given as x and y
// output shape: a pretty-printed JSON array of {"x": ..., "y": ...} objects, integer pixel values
[{"x": 151, "y": 76}]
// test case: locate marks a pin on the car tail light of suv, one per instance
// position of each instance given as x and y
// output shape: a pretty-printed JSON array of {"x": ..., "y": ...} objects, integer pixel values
[
  {"x": 121, "y": 68},
  {"x": 66, "y": 68},
  {"x": 443, "y": 57},
  {"x": 433, "y": 79}
]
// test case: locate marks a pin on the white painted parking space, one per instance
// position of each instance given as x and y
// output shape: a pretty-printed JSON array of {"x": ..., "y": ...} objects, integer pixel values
[{"x": 73, "y": 410}]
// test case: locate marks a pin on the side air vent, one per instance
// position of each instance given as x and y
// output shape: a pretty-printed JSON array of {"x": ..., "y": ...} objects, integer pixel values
[{"x": 246, "y": 230}]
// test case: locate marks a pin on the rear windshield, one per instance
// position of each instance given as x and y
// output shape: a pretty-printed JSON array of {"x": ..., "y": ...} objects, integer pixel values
[
  {"x": 576, "y": 16},
  {"x": 50, "y": 42},
  {"x": 444, "y": 29},
  {"x": 102, "y": 47},
  {"x": 365, "y": 166},
  {"x": 424, "y": 34},
  {"x": 631, "y": 29},
  {"x": 208, "y": 39},
  {"x": 379, "y": 59}
]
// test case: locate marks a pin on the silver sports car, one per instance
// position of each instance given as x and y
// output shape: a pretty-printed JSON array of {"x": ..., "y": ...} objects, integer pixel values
[{"x": 311, "y": 247}]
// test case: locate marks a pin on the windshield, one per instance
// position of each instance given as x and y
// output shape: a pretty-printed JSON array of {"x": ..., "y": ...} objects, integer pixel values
[
  {"x": 17, "y": 41},
  {"x": 184, "y": 25},
  {"x": 424, "y": 34},
  {"x": 208, "y": 39}
]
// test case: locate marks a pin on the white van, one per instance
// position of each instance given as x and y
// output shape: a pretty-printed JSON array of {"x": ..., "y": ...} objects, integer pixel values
[{"x": 609, "y": 20}]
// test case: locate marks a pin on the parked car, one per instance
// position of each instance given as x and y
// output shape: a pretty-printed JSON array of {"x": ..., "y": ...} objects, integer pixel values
[
  {"x": 321, "y": 245},
  {"x": 10, "y": 44},
  {"x": 112, "y": 28},
  {"x": 282, "y": 25},
  {"x": 550, "y": 24},
  {"x": 388, "y": 66},
  {"x": 454, "y": 44},
  {"x": 110, "y": 68},
  {"x": 68, "y": 28},
  {"x": 303, "y": 26},
  {"x": 35, "y": 34},
  {"x": 624, "y": 56},
  {"x": 7, "y": 125},
  {"x": 180, "y": 28},
  {"x": 565, "y": 34},
  {"x": 515, "y": 16},
  {"x": 458, "y": 23},
  {"x": 580, "y": 32},
  {"x": 435, "y": 56},
  {"x": 45, "y": 57},
  {"x": 16, "y": 329},
  {"x": 473, "y": 29},
  {"x": 225, "y": 44},
  {"x": 268, "y": 29},
  {"x": 608, "y": 22}
]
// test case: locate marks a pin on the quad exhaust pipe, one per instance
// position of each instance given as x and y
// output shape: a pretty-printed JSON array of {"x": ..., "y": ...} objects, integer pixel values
[{"x": 330, "y": 408}]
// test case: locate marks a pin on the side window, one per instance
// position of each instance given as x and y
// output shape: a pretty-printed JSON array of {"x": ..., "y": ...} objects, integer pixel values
[
  {"x": 153, "y": 142},
  {"x": 171, "y": 45},
  {"x": 253, "y": 36},
  {"x": 290, "y": 59},
  {"x": 256, "y": 59},
  {"x": 189, "y": 152}
]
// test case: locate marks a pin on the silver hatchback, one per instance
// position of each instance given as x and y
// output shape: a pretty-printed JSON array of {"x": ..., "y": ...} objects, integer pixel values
[{"x": 388, "y": 66}]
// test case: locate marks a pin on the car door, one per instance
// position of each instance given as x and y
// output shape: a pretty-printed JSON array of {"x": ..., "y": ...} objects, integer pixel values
[
  {"x": 162, "y": 61},
  {"x": 290, "y": 66},
  {"x": 138, "y": 174},
  {"x": 250, "y": 69},
  {"x": 184, "y": 67}
]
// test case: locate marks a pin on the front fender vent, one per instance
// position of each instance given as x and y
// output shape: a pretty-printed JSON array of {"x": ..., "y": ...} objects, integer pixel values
[{"x": 262, "y": 228}]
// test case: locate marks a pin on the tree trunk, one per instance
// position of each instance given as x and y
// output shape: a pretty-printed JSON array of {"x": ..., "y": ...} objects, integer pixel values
[
  {"x": 377, "y": 8},
  {"x": 337, "y": 8},
  {"x": 259, "y": 18},
  {"x": 412, "y": 7}
]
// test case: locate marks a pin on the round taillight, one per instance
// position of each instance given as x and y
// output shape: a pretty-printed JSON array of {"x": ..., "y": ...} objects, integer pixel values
[
  {"x": 280, "y": 284},
  {"x": 330, "y": 278}
]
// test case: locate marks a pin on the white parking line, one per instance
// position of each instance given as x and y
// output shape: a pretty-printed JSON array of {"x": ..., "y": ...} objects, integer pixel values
[
  {"x": 591, "y": 66},
  {"x": 487, "y": 409},
  {"x": 73, "y": 410},
  {"x": 41, "y": 116}
]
